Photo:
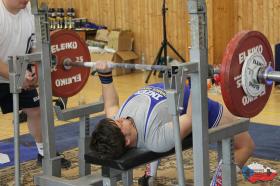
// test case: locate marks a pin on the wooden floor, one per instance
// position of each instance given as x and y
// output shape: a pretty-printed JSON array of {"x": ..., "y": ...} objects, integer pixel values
[{"x": 126, "y": 85}]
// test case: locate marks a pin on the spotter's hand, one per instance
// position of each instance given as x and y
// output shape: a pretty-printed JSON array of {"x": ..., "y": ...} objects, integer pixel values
[{"x": 30, "y": 81}]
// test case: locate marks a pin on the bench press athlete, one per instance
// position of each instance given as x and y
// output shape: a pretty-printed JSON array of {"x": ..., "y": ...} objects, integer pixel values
[{"x": 143, "y": 121}]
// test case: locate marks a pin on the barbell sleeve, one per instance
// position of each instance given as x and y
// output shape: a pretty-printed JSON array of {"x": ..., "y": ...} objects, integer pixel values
[
  {"x": 268, "y": 75},
  {"x": 273, "y": 76}
]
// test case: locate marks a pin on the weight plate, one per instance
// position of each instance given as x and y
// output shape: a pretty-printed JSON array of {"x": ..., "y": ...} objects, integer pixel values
[
  {"x": 242, "y": 45},
  {"x": 66, "y": 44}
]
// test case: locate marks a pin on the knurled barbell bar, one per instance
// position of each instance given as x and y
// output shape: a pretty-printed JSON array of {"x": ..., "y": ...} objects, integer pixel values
[
  {"x": 247, "y": 69},
  {"x": 69, "y": 63}
]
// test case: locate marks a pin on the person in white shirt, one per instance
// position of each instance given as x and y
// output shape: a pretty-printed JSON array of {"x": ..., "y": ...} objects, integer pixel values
[{"x": 17, "y": 36}]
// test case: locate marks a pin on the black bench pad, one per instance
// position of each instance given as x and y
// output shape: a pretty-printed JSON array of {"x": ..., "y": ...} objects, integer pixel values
[{"x": 135, "y": 157}]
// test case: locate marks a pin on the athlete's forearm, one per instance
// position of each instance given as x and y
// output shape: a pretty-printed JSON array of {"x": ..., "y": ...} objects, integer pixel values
[
  {"x": 111, "y": 99},
  {"x": 186, "y": 120},
  {"x": 185, "y": 125},
  {"x": 4, "y": 69}
]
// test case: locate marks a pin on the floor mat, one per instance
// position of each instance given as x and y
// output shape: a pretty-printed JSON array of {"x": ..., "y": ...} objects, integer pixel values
[
  {"x": 166, "y": 176},
  {"x": 267, "y": 140},
  {"x": 66, "y": 139}
]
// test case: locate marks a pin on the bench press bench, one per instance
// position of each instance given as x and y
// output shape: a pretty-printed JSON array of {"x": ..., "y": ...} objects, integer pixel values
[
  {"x": 122, "y": 168},
  {"x": 115, "y": 170}
]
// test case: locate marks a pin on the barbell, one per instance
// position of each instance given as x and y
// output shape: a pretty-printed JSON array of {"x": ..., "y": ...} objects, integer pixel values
[{"x": 247, "y": 69}]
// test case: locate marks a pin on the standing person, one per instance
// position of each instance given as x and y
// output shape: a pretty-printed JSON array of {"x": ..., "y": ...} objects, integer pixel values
[
  {"x": 143, "y": 121},
  {"x": 17, "y": 35}
]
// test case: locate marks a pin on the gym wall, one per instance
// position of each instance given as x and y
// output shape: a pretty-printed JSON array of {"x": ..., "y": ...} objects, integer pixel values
[{"x": 144, "y": 19}]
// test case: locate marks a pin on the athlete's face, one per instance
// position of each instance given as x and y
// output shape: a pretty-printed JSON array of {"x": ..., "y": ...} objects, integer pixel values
[
  {"x": 15, "y": 5},
  {"x": 125, "y": 124}
]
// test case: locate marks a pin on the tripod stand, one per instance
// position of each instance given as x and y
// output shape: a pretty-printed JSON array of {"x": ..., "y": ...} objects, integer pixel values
[{"x": 164, "y": 45}]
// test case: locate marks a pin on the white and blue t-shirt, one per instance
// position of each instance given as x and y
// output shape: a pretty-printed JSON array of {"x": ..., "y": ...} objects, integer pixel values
[{"x": 149, "y": 109}]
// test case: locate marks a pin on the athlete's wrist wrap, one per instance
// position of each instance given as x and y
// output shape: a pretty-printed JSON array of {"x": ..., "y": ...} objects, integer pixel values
[{"x": 105, "y": 77}]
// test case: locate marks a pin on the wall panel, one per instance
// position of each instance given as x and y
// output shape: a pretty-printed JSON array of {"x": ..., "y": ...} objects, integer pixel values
[
  {"x": 222, "y": 21},
  {"x": 143, "y": 17},
  {"x": 260, "y": 15}
]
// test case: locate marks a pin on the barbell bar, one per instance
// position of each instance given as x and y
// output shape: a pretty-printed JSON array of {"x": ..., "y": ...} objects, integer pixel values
[
  {"x": 247, "y": 69},
  {"x": 68, "y": 63}
]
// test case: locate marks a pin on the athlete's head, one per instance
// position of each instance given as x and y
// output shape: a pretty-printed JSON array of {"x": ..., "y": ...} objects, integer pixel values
[
  {"x": 112, "y": 138},
  {"x": 14, "y": 6}
]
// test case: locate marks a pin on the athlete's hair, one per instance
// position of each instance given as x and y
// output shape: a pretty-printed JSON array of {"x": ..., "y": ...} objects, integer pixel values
[{"x": 107, "y": 140}]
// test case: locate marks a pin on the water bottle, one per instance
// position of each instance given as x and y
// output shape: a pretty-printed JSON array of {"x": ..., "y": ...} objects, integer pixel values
[
  {"x": 143, "y": 62},
  {"x": 82, "y": 100}
]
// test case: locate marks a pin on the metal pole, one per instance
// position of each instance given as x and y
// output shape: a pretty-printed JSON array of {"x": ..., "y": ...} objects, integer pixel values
[
  {"x": 16, "y": 138},
  {"x": 228, "y": 168},
  {"x": 173, "y": 110},
  {"x": 51, "y": 163},
  {"x": 84, "y": 141},
  {"x": 198, "y": 52},
  {"x": 16, "y": 74},
  {"x": 164, "y": 42}
]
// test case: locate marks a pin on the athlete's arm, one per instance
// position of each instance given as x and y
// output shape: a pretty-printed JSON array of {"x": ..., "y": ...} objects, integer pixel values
[
  {"x": 111, "y": 99},
  {"x": 185, "y": 125},
  {"x": 185, "y": 121},
  {"x": 110, "y": 95}
]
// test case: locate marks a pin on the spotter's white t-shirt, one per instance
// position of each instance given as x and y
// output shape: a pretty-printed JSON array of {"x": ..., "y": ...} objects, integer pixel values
[{"x": 17, "y": 33}]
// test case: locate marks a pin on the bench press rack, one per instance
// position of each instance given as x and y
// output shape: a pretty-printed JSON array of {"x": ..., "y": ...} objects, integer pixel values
[{"x": 114, "y": 170}]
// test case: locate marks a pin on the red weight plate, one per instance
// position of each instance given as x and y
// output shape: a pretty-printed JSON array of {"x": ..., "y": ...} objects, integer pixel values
[
  {"x": 66, "y": 44},
  {"x": 240, "y": 46}
]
